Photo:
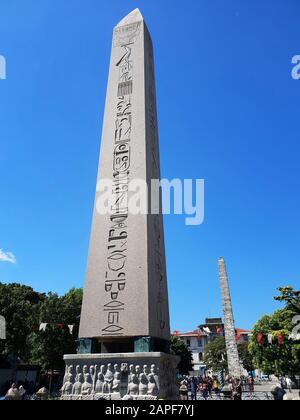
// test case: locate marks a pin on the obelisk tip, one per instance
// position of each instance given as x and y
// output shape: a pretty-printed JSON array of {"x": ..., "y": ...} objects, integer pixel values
[{"x": 134, "y": 16}]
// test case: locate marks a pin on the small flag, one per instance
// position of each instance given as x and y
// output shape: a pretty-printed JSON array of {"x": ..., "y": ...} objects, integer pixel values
[{"x": 259, "y": 339}]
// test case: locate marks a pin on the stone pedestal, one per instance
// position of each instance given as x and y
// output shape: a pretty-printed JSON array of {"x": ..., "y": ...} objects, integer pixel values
[{"x": 140, "y": 376}]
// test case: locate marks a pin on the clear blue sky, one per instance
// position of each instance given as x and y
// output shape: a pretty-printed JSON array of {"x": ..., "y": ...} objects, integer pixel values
[{"x": 228, "y": 112}]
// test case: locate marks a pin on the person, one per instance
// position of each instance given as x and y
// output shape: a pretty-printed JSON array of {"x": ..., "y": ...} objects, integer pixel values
[
  {"x": 183, "y": 390},
  {"x": 251, "y": 385},
  {"x": 278, "y": 392},
  {"x": 13, "y": 393},
  {"x": 204, "y": 389},
  {"x": 237, "y": 390},
  {"x": 22, "y": 392},
  {"x": 209, "y": 385},
  {"x": 215, "y": 386},
  {"x": 283, "y": 383},
  {"x": 228, "y": 390},
  {"x": 289, "y": 384},
  {"x": 193, "y": 389}
]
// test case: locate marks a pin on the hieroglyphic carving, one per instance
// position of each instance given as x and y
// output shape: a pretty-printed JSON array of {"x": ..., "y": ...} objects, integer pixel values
[
  {"x": 127, "y": 34},
  {"x": 115, "y": 276}
]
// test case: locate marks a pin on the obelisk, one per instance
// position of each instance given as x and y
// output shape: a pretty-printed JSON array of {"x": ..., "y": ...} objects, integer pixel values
[
  {"x": 234, "y": 367},
  {"x": 125, "y": 312}
]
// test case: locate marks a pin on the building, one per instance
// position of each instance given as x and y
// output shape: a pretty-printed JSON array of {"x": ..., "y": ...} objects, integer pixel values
[{"x": 198, "y": 339}]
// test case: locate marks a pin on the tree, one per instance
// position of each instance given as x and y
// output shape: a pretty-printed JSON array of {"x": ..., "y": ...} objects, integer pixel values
[
  {"x": 48, "y": 347},
  {"x": 273, "y": 358},
  {"x": 215, "y": 356},
  {"x": 179, "y": 348},
  {"x": 278, "y": 358},
  {"x": 246, "y": 357},
  {"x": 291, "y": 297},
  {"x": 20, "y": 307}
]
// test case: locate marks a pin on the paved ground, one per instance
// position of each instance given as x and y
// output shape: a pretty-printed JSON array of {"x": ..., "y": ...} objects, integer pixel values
[
  {"x": 266, "y": 387},
  {"x": 261, "y": 392}
]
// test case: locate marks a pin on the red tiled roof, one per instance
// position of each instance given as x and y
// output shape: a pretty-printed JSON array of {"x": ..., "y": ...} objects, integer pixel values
[
  {"x": 195, "y": 333},
  {"x": 240, "y": 331}
]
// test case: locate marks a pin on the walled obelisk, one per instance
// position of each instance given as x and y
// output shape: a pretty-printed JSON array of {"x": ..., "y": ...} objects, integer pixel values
[
  {"x": 125, "y": 312},
  {"x": 234, "y": 367}
]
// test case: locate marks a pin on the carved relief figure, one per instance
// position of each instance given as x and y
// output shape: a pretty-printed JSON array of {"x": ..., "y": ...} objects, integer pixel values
[
  {"x": 78, "y": 369},
  {"x": 154, "y": 372},
  {"x": 133, "y": 387},
  {"x": 93, "y": 371},
  {"x": 143, "y": 387},
  {"x": 152, "y": 387},
  {"x": 69, "y": 371},
  {"x": 78, "y": 385},
  {"x": 68, "y": 385},
  {"x": 100, "y": 381},
  {"x": 87, "y": 387},
  {"x": 108, "y": 379},
  {"x": 117, "y": 379},
  {"x": 68, "y": 381}
]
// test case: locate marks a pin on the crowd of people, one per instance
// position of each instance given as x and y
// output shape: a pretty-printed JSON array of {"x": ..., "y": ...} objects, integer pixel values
[
  {"x": 206, "y": 387},
  {"x": 209, "y": 387}
]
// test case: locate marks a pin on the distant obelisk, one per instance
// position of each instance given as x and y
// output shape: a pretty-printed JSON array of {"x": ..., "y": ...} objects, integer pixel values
[
  {"x": 124, "y": 326},
  {"x": 234, "y": 367}
]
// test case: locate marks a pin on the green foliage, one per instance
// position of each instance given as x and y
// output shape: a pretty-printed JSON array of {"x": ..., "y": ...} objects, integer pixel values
[
  {"x": 275, "y": 359},
  {"x": 24, "y": 310},
  {"x": 20, "y": 306},
  {"x": 179, "y": 348},
  {"x": 215, "y": 356},
  {"x": 246, "y": 357},
  {"x": 48, "y": 347},
  {"x": 291, "y": 297}
]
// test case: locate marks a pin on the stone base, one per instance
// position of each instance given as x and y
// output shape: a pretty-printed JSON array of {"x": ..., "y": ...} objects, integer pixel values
[{"x": 137, "y": 376}]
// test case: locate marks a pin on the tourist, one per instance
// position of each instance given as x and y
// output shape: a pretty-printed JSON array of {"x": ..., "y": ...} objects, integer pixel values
[
  {"x": 216, "y": 386},
  {"x": 289, "y": 384},
  {"x": 237, "y": 390},
  {"x": 251, "y": 385},
  {"x": 183, "y": 390},
  {"x": 204, "y": 389},
  {"x": 209, "y": 385},
  {"x": 22, "y": 392},
  {"x": 193, "y": 389},
  {"x": 278, "y": 392},
  {"x": 228, "y": 390},
  {"x": 13, "y": 393}
]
